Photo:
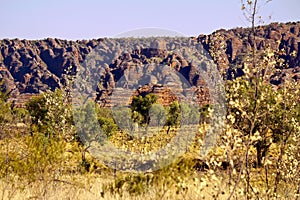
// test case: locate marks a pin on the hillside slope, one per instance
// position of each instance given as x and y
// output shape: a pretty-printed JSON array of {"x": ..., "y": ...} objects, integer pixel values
[{"x": 31, "y": 67}]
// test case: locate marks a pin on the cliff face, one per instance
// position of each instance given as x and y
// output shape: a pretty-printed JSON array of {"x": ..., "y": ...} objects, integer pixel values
[
  {"x": 239, "y": 42},
  {"x": 31, "y": 67}
]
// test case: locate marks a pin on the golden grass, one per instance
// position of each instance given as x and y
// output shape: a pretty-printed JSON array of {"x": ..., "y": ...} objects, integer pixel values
[{"x": 90, "y": 187}]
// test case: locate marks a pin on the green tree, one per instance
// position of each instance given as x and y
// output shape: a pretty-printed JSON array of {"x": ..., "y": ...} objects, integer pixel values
[
  {"x": 157, "y": 115},
  {"x": 51, "y": 114},
  {"x": 142, "y": 105},
  {"x": 254, "y": 105},
  {"x": 262, "y": 113},
  {"x": 190, "y": 114},
  {"x": 107, "y": 125},
  {"x": 174, "y": 115},
  {"x": 186, "y": 112},
  {"x": 106, "y": 120}
]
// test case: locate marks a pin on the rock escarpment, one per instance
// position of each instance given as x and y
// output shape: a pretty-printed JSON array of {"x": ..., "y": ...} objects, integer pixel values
[
  {"x": 31, "y": 67},
  {"x": 284, "y": 38}
]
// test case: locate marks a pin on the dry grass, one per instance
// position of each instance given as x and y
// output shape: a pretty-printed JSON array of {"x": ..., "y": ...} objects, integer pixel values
[{"x": 91, "y": 187}]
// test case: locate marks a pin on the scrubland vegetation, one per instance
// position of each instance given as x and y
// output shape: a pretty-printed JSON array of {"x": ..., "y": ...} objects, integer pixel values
[{"x": 257, "y": 154}]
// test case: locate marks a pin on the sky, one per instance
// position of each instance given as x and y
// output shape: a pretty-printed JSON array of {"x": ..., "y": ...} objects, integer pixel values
[{"x": 87, "y": 19}]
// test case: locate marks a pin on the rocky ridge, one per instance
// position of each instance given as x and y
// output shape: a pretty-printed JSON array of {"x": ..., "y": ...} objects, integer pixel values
[{"x": 31, "y": 67}]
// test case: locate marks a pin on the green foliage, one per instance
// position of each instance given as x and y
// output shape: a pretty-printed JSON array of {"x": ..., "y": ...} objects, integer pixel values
[
  {"x": 104, "y": 112},
  {"x": 174, "y": 114},
  {"x": 87, "y": 125},
  {"x": 158, "y": 115},
  {"x": 107, "y": 125},
  {"x": 51, "y": 114},
  {"x": 204, "y": 113},
  {"x": 38, "y": 154},
  {"x": 106, "y": 121},
  {"x": 22, "y": 115},
  {"x": 256, "y": 108},
  {"x": 171, "y": 178},
  {"x": 29, "y": 157},
  {"x": 190, "y": 114},
  {"x": 258, "y": 156},
  {"x": 260, "y": 118},
  {"x": 142, "y": 106}
]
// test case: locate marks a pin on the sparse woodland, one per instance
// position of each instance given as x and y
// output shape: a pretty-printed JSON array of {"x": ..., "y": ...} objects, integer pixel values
[{"x": 256, "y": 155}]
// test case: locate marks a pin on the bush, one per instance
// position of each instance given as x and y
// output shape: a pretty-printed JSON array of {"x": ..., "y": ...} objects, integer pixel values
[
  {"x": 142, "y": 105},
  {"x": 108, "y": 126},
  {"x": 51, "y": 114}
]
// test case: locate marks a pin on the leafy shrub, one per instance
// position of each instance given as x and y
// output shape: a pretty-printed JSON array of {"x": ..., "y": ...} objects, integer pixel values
[
  {"x": 142, "y": 105},
  {"x": 107, "y": 125},
  {"x": 51, "y": 114}
]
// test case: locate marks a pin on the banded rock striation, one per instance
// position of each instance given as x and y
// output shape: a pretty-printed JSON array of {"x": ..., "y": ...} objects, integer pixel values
[{"x": 31, "y": 67}]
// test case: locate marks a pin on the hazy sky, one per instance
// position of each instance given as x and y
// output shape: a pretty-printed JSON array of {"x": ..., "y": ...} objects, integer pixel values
[{"x": 84, "y": 19}]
